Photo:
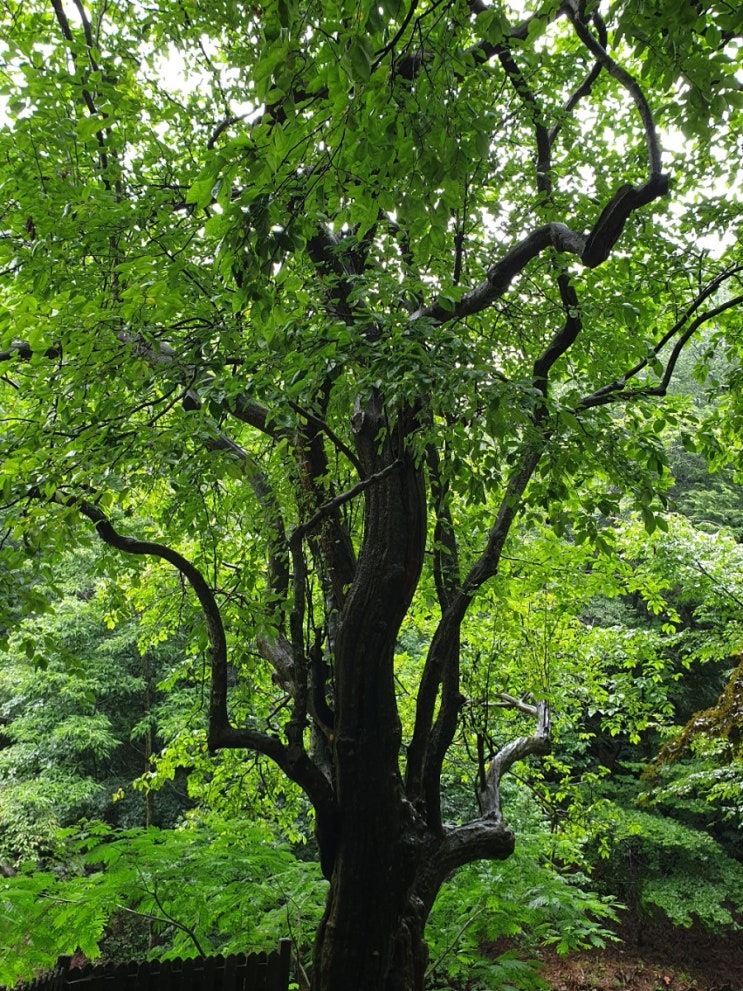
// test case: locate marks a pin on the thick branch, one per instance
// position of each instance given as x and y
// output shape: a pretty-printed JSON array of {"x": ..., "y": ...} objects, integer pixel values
[
  {"x": 502, "y": 273},
  {"x": 486, "y": 838},
  {"x": 292, "y": 760},
  {"x": 482, "y": 839},
  {"x": 608, "y": 228},
  {"x": 215, "y": 628},
  {"x": 327, "y": 255}
]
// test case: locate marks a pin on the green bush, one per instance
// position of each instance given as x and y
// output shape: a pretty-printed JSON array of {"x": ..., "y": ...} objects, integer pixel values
[{"x": 658, "y": 865}]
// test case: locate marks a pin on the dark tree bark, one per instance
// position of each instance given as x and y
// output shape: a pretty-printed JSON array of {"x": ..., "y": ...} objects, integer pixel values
[{"x": 376, "y": 849}]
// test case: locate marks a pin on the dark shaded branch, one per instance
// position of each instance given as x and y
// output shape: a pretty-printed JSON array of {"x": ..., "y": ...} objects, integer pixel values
[
  {"x": 392, "y": 44},
  {"x": 544, "y": 154},
  {"x": 337, "y": 501},
  {"x": 336, "y": 441},
  {"x": 64, "y": 25},
  {"x": 610, "y": 224},
  {"x": 586, "y": 86},
  {"x": 445, "y": 551},
  {"x": 486, "y": 566},
  {"x": 484, "y": 50},
  {"x": 572, "y": 9},
  {"x": 215, "y": 628},
  {"x": 222, "y": 127},
  {"x": 334, "y": 548},
  {"x": 292, "y": 759},
  {"x": 564, "y": 338},
  {"x": 295, "y": 729},
  {"x": 430, "y": 741},
  {"x": 90, "y": 105},
  {"x": 23, "y": 351},
  {"x": 502, "y": 273},
  {"x": 326, "y": 253},
  {"x": 89, "y": 42}
]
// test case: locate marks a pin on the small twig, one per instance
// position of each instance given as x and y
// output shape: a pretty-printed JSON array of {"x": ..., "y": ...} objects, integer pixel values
[
  {"x": 390, "y": 46},
  {"x": 453, "y": 942},
  {"x": 304, "y": 528},
  {"x": 716, "y": 581},
  {"x": 169, "y": 918}
]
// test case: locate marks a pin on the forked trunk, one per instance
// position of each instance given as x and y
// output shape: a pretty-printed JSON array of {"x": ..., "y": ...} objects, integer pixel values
[{"x": 370, "y": 938}]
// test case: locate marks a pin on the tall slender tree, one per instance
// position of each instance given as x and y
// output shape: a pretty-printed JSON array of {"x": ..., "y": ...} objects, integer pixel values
[{"x": 312, "y": 301}]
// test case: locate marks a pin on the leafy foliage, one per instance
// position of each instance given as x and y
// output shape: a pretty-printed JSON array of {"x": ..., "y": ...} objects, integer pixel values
[
  {"x": 657, "y": 864},
  {"x": 525, "y": 899},
  {"x": 207, "y": 888}
]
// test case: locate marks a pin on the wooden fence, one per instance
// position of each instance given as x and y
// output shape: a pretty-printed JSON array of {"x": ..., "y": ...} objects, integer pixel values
[{"x": 240, "y": 972}]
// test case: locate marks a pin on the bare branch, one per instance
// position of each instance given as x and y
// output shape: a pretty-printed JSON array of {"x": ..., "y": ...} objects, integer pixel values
[
  {"x": 538, "y": 743},
  {"x": 487, "y": 837},
  {"x": 292, "y": 759}
]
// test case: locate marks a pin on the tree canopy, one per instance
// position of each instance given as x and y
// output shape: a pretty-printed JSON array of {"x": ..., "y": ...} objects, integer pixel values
[{"x": 321, "y": 312}]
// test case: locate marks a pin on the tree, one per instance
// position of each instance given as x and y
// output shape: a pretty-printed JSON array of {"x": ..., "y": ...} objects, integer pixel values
[
  {"x": 78, "y": 711},
  {"x": 317, "y": 324}
]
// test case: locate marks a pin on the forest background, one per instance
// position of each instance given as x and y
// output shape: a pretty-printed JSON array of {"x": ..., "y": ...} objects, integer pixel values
[{"x": 370, "y": 396}]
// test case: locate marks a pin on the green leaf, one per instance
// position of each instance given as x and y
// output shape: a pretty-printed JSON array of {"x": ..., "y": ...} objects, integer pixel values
[{"x": 360, "y": 58}]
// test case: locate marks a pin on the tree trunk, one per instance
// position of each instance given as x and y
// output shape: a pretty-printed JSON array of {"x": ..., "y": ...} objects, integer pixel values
[{"x": 370, "y": 938}]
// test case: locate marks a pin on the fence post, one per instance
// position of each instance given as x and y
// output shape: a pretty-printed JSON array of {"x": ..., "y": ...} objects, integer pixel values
[{"x": 279, "y": 963}]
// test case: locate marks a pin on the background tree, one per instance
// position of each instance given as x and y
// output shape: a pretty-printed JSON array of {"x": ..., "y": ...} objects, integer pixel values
[
  {"x": 317, "y": 326},
  {"x": 80, "y": 712}
]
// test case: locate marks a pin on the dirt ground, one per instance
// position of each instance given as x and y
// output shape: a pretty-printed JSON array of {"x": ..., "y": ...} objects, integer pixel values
[{"x": 652, "y": 959}]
